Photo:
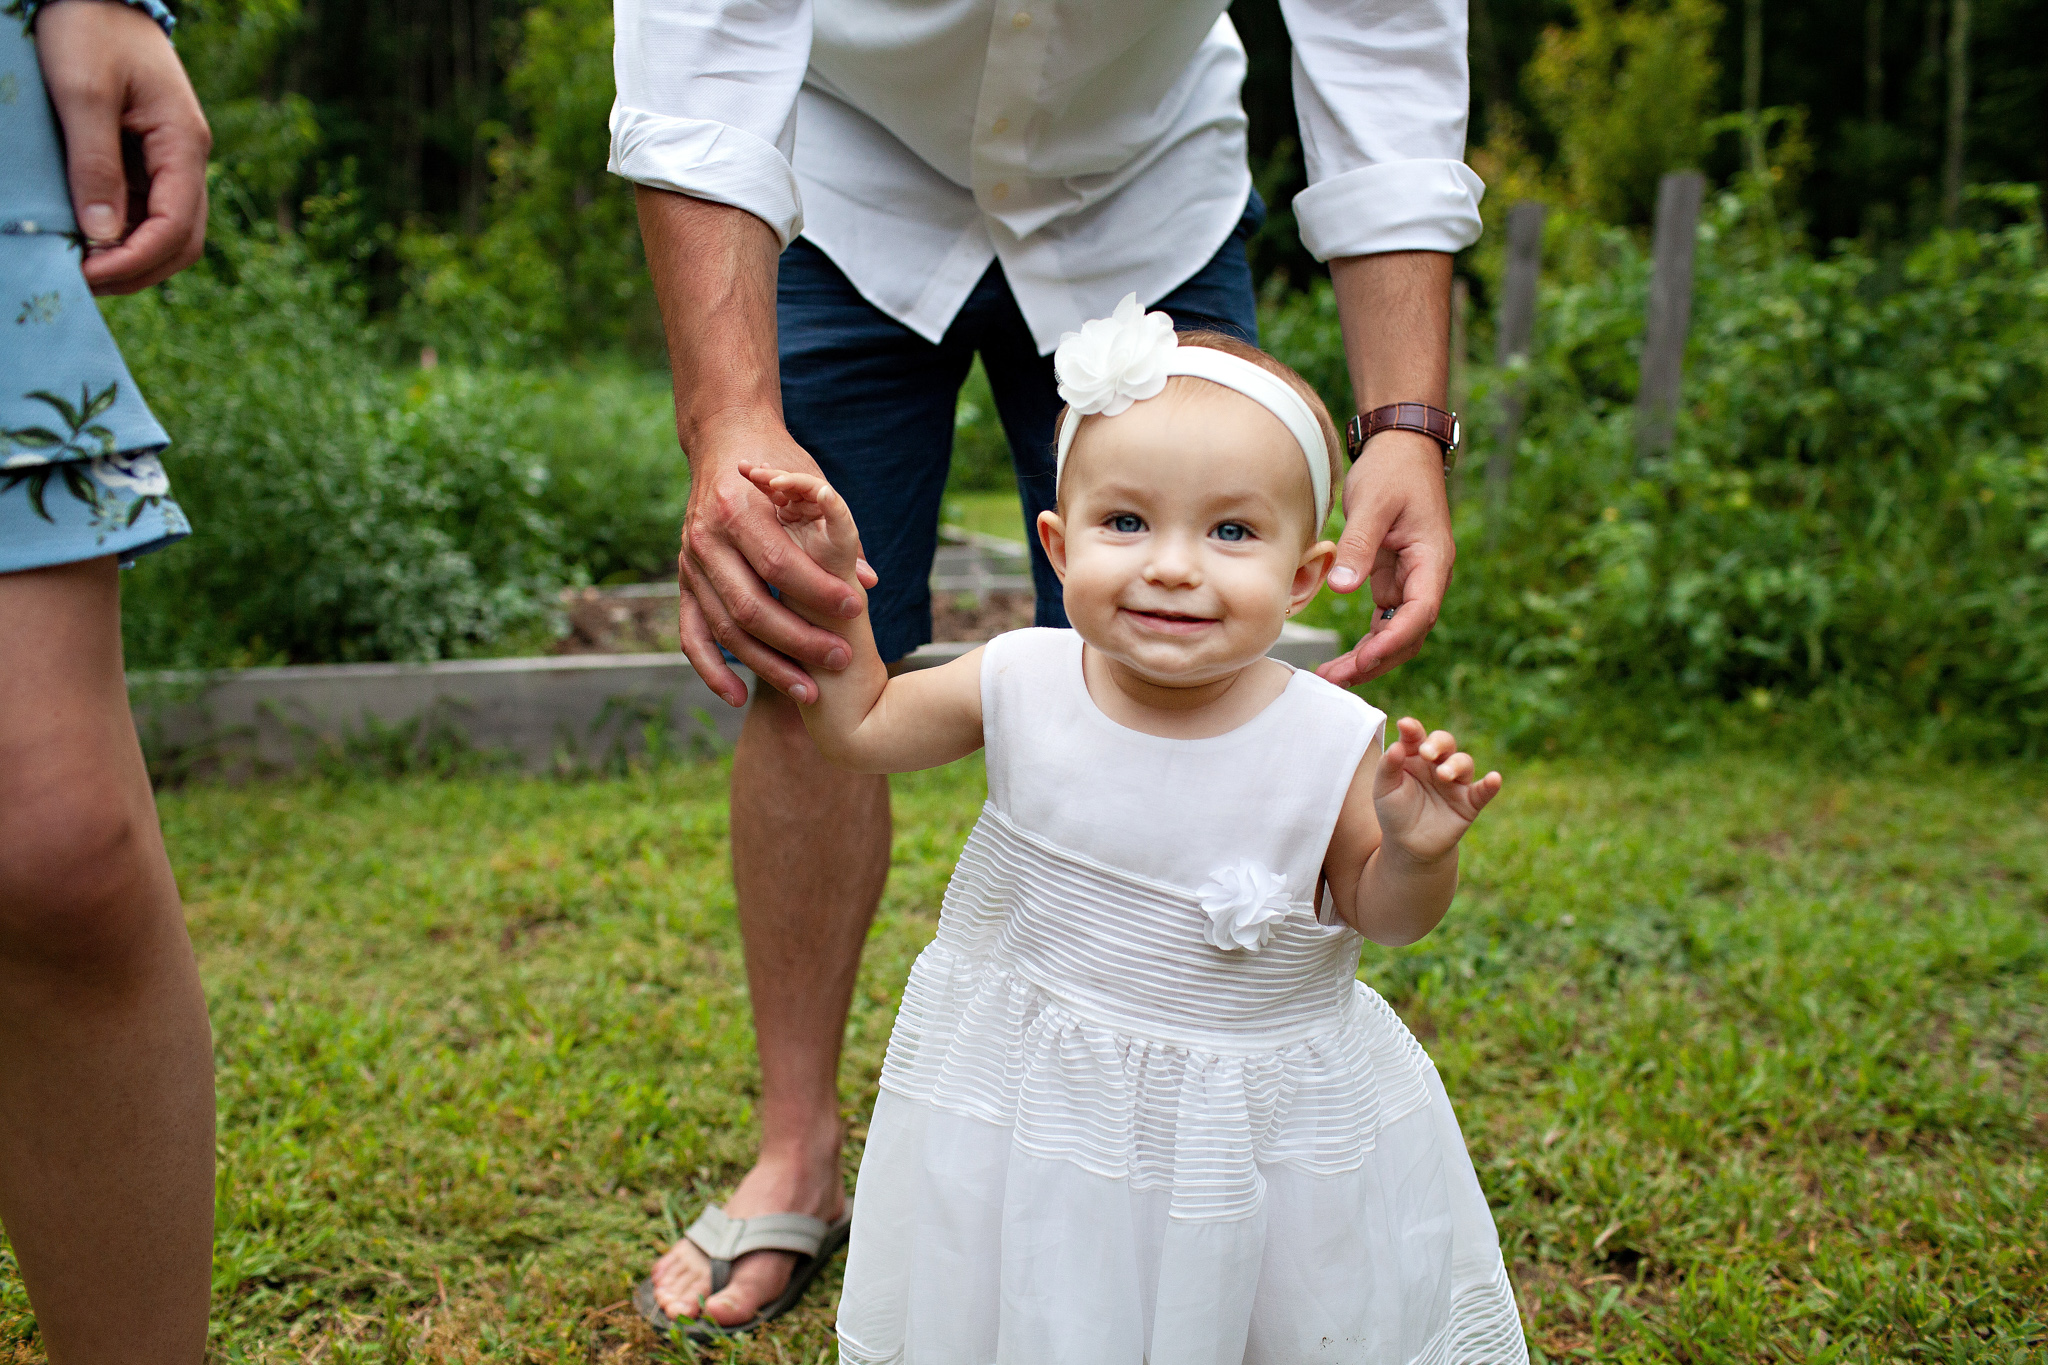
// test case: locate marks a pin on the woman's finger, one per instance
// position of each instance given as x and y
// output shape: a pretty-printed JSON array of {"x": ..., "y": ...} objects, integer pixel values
[
  {"x": 89, "y": 93},
  {"x": 172, "y": 234}
]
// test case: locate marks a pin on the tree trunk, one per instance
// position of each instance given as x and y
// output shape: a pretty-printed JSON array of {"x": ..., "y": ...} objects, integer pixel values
[
  {"x": 1873, "y": 61},
  {"x": 1753, "y": 86},
  {"x": 1958, "y": 111}
]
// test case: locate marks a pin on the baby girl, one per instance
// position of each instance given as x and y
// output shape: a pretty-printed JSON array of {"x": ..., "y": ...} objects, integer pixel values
[{"x": 1136, "y": 1106}]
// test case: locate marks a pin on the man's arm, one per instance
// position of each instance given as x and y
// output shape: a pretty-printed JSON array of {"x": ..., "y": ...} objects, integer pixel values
[
  {"x": 1395, "y": 309},
  {"x": 704, "y": 123},
  {"x": 714, "y": 276},
  {"x": 1382, "y": 92}
]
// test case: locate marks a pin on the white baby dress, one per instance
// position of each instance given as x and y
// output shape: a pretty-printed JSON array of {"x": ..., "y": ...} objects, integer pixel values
[{"x": 1103, "y": 1139}]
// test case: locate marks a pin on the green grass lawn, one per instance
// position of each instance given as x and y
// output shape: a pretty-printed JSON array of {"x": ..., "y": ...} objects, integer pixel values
[{"x": 1750, "y": 1056}]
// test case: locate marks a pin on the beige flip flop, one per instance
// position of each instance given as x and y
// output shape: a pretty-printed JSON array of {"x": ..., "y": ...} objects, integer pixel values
[{"x": 725, "y": 1240}]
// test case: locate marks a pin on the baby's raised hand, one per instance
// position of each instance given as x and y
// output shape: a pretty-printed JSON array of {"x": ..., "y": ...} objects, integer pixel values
[
  {"x": 816, "y": 517},
  {"x": 1425, "y": 794}
]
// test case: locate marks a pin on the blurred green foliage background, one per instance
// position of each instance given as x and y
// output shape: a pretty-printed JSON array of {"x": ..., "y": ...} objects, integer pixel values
[{"x": 416, "y": 385}]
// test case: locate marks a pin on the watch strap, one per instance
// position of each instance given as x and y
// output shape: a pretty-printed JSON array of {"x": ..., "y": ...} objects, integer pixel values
[{"x": 1433, "y": 422}]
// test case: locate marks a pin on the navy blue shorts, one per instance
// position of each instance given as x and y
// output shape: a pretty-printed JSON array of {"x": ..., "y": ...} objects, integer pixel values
[{"x": 873, "y": 402}]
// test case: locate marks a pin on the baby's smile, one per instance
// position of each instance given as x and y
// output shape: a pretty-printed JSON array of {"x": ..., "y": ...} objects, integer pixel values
[{"x": 1167, "y": 622}]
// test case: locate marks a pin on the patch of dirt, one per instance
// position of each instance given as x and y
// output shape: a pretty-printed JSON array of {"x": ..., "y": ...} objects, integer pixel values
[
  {"x": 606, "y": 623},
  {"x": 1777, "y": 843},
  {"x": 961, "y": 616}
]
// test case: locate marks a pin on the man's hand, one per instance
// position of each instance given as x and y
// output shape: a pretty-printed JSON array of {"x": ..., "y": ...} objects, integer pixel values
[
  {"x": 1397, "y": 533},
  {"x": 734, "y": 550},
  {"x": 1396, "y": 311},
  {"x": 110, "y": 70},
  {"x": 714, "y": 276}
]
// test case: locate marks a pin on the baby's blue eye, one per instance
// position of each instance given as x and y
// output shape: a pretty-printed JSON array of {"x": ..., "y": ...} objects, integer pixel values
[
  {"x": 1232, "y": 530},
  {"x": 1126, "y": 523}
]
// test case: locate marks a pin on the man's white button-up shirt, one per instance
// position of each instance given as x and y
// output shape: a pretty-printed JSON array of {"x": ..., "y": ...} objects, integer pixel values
[{"x": 1094, "y": 147}]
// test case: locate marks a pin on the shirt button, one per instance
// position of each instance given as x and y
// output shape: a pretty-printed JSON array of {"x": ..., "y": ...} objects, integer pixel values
[
  {"x": 1000, "y": 126},
  {"x": 1020, "y": 21},
  {"x": 999, "y": 191}
]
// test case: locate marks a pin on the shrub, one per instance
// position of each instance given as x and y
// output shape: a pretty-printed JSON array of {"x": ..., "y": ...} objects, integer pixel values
[
  {"x": 1851, "y": 526},
  {"x": 345, "y": 509}
]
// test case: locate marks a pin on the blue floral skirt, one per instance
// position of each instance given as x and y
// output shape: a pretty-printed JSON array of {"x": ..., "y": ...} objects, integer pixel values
[
  {"x": 82, "y": 509},
  {"x": 79, "y": 473}
]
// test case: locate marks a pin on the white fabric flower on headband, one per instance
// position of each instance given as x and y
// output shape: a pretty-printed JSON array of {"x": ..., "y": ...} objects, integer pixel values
[
  {"x": 1115, "y": 361},
  {"x": 1127, "y": 357},
  {"x": 1244, "y": 902}
]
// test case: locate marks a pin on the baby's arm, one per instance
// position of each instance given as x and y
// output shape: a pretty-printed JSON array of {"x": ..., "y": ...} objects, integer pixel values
[
  {"x": 861, "y": 717},
  {"x": 1393, "y": 861}
]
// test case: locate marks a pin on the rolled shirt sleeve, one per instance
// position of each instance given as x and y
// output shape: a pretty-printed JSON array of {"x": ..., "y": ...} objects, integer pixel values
[
  {"x": 1382, "y": 89},
  {"x": 706, "y": 101}
]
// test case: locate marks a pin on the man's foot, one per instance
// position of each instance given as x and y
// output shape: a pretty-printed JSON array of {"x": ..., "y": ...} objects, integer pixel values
[{"x": 682, "y": 1278}]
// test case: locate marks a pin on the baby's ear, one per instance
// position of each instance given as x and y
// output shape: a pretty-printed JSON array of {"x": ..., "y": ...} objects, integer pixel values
[
  {"x": 1314, "y": 567},
  {"x": 1052, "y": 534}
]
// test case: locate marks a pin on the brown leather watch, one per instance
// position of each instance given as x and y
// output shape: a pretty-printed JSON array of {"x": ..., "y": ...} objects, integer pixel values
[{"x": 1440, "y": 426}]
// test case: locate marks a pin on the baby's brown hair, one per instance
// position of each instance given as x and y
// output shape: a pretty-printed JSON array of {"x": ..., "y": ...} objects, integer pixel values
[{"x": 1280, "y": 369}]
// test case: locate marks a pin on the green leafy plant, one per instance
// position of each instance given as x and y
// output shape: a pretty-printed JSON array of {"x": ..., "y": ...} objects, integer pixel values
[
  {"x": 1850, "y": 531},
  {"x": 347, "y": 509},
  {"x": 1628, "y": 90}
]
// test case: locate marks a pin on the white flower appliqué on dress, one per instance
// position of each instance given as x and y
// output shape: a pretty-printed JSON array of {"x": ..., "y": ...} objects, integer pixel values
[
  {"x": 1244, "y": 902},
  {"x": 1115, "y": 361}
]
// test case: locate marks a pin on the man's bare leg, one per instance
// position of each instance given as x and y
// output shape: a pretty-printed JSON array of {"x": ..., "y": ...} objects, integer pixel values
[
  {"x": 106, "y": 1060},
  {"x": 810, "y": 852}
]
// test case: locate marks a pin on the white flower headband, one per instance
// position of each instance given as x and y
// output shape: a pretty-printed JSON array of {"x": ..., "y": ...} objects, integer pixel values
[{"x": 1128, "y": 356}]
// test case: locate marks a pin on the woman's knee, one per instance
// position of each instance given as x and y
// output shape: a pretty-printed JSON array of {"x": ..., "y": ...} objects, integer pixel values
[{"x": 79, "y": 877}]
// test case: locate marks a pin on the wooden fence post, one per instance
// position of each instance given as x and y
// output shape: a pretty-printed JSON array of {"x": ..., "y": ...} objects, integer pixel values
[
  {"x": 1517, "y": 325},
  {"x": 1678, "y": 217}
]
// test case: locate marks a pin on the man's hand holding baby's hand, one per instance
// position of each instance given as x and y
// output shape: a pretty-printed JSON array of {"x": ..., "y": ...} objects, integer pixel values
[
  {"x": 817, "y": 520},
  {"x": 1425, "y": 792}
]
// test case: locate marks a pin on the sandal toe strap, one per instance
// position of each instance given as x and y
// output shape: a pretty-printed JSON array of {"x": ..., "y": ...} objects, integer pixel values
[{"x": 727, "y": 1239}]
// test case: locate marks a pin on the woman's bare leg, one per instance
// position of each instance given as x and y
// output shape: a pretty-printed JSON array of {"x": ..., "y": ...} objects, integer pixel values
[{"x": 106, "y": 1059}]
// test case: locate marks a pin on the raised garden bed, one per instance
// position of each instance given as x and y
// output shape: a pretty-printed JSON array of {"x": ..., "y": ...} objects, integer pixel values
[{"x": 615, "y": 688}]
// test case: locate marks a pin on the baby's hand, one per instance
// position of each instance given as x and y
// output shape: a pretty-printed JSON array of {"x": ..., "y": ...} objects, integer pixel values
[
  {"x": 817, "y": 519},
  {"x": 1425, "y": 794}
]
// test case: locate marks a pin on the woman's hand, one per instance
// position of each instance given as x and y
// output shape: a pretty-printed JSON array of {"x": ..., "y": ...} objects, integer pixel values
[
  {"x": 1425, "y": 793},
  {"x": 110, "y": 70}
]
